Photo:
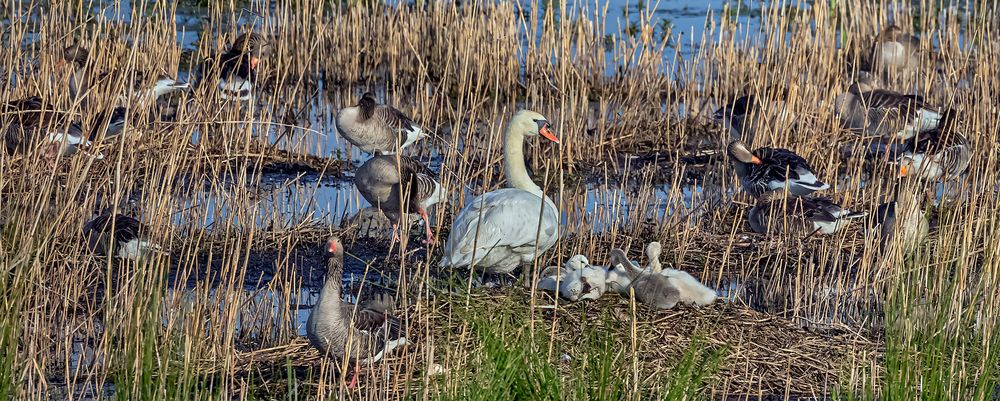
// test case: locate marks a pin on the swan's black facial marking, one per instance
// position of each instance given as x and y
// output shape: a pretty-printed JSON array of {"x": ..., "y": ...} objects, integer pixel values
[{"x": 541, "y": 123}]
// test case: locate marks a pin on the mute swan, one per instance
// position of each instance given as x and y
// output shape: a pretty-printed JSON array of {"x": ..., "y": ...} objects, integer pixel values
[
  {"x": 342, "y": 330},
  {"x": 386, "y": 184},
  {"x": 377, "y": 127},
  {"x": 768, "y": 169},
  {"x": 500, "y": 230}
]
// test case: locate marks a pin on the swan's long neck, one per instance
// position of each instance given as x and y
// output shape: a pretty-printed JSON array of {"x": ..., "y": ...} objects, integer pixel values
[{"x": 513, "y": 161}]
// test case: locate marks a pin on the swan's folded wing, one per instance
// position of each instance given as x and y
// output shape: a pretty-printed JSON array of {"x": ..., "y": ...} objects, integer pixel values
[{"x": 507, "y": 217}]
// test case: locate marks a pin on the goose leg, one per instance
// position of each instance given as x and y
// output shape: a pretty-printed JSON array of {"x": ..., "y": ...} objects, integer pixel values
[
  {"x": 427, "y": 227},
  {"x": 354, "y": 376},
  {"x": 395, "y": 233}
]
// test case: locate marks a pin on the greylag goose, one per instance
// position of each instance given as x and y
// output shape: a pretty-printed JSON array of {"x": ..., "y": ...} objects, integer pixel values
[
  {"x": 894, "y": 49},
  {"x": 500, "y": 230},
  {"x": 377, "y": 127},
  {"x": 778, "y": 212},
  {"x": 119, "y": 236},
  {"x": 942, "y": 153},
  {"x": 747, "y": 115},
  {"x": 396, "y": 188},
  {"x": 884, "y": 113},
  {"x": 576, "y": 281},
  {"x": 768, "y": 169},
  {"x": 75, "y": 57},
  {"x": 237, "y": 67},
  {"x": 32, "y": 122},
  {"x": 903, "y": 220},
  {"x": 346, "y": 331}
]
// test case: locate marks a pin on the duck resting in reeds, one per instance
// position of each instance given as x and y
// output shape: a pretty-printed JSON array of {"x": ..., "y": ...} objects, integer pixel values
[
  {"x": 374, "y": 127},
  {"x": 942, "y": 153},
  {"x": 769, "y": 169},
  {"x": 779, "y": 212},
  {"x": 882, "y": 113},
  {"x": 119, "y": 236},
  {"x": 397, "y": 184},
  {"x": 503, "y": 229},
  {"x": 345, "y": 331}
]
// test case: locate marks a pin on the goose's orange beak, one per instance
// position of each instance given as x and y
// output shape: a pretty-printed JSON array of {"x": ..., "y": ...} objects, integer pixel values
[
  {"x": 903, "y": 170},
  {"x": 755, "y": 160},
  {"x": 254, "y": 61},
  {"x": 548, "y": 134},
  {"x": 331, "y": 246}
]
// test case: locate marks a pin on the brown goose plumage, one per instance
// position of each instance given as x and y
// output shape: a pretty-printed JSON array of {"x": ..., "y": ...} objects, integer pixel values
[
  {"x": 942, "y": 153},
  {"x": 884, "y": 113},
  {"x": 894, "y": 49},
  {"x": 237, "y": 67},
  {"x": 396, "y": 188},
  {"x": 778, "y": 212},
  {"x": 345, "y": 331},
  {"x": 32, "y": 122},
  {"x": 377, "y": 127}
]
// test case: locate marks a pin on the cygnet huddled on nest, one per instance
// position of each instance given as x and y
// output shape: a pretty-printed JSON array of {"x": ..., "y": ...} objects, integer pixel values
[
  {"x": 578, "y": 279},
  {"x": 656, "y": 286}
]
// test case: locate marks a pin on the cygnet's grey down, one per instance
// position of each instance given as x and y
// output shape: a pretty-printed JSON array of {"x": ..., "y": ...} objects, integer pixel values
[
  {"x": 649, "y": 288},
  {"x": 655, "y": 284}
]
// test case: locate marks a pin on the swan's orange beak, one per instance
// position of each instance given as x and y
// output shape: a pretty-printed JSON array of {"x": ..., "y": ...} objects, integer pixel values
[
  {"x": 755, "y": 160},
  {"x": 548, "y": 134}
]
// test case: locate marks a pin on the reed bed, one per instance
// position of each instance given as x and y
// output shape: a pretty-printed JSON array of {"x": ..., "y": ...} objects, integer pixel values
[{"x": 219, "y": 314}]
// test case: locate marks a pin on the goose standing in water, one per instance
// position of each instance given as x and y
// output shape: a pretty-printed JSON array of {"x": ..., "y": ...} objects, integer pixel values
[
  {"x": 377, "y": 127},
  {"x": 396, "y": 188},
  {"x": 237, "y": 67},
  {"x": 942, "y": 153},
  {"x": 503, "y": 229},
  {"x": 346, "y": 331},
  {"x": 769, "y": 169},
  {"x": 884, "y": 113},
  {"x": 119, "y": 236},
  {"x": 778, "y": 212}
]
